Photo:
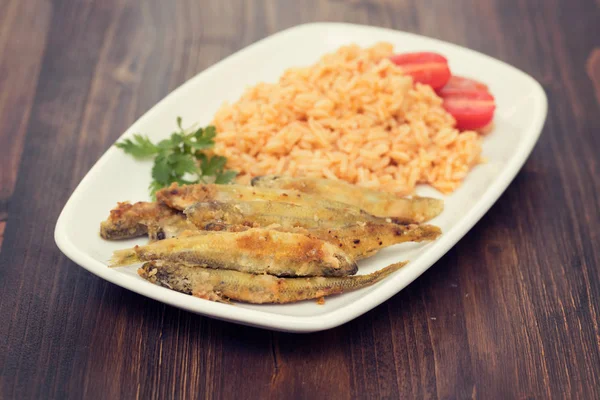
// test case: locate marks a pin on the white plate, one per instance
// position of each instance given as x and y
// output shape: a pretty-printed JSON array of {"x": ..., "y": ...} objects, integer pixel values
[{"x": 116, "y": 177}]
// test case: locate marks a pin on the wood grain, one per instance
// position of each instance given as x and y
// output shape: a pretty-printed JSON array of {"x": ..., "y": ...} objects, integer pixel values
[
  {"x": 511, "y": 311},
  {"x": 23, "y": 26},
  {"x": 2, "y": 228},
  {"x": 593, "y": 70}
]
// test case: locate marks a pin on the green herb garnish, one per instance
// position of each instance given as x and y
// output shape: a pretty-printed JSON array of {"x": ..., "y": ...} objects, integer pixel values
[{"x": 180, "y": 158}]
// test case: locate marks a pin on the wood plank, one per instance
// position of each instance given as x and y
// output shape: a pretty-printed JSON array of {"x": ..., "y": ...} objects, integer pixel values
[
  {"x": 23, "y": 28},
  {"x": 592, "y": 67},
  {"x": 43, "y": 325},
  {"x": 2, "y": 228}
]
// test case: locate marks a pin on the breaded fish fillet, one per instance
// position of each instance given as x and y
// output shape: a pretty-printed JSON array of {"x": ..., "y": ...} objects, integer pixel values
[
  {"x": 181, "y": 197},
  {"x": 364, "y": 240},
  {"x": 265, "y": 213},
  {"x": 222, "y": 285},
  {"x": 357, "y": 238},
  {"x": 381, "y": 204},
  {"x": 258, "y": 251}
]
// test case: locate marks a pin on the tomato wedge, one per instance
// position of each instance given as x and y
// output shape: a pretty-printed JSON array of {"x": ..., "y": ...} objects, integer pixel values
[
  {"x": 459, "y": 84},
  {"x": 469, "y": 101},
  {"x": 472, "y": 110},
  {"x": 424, "y": 67}
]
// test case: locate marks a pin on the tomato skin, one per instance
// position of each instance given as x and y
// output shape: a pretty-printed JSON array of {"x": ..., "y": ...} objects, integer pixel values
[
  {"x": 469, "y": 101},
  {"x": 424, "y": 67},
  {"x": 472, "y": 110},
  {"x": 459, "y": 84}
]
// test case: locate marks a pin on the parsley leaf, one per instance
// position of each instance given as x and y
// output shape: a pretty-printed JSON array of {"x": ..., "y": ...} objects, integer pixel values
[
  {"x": 204, "y": 138},
  {"x": 225, "y": 177},
  {"x": 139, "y": 147},
  {"x": 161, "y": 171},
  {"x": 180, "y": 158},
  {"x": 213, "y": 165},
  {"x": 181, "y": 164}
]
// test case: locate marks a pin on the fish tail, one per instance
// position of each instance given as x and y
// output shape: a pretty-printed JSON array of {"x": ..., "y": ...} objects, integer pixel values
[
  {"x": 125, "y": 257},
  {"x": 297, "y": 289},
  {"x": 428, "y": 232},
  {"x": 219, "y": 284},
  {"x": 365, "y": 280}
]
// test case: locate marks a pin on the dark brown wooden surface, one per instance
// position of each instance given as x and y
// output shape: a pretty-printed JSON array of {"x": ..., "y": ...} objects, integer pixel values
[{"x": 511, "y": 312}]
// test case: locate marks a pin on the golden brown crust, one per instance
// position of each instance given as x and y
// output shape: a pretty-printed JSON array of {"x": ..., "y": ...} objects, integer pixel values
[
  {"x": 258, "y": 251},
  {"x": 358, "y": 240},
  {"x": 180, "y": 197},
  {"x": 131, "y": 220},
  {"x": 305, "y": 250},
  {"x": 218, "y": 284},
  {"x": 387, "y": 205}
]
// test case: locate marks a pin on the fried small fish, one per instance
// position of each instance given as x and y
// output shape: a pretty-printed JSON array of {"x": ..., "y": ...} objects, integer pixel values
[
  {"x": 357, "y": 238},
  {"x": 266, "y": 213},
  {"x": 364, "y": 240},
  {"x": 132, "y": 220},
  {"x": 258, "y": 251},
  {"x": 181, "y": 197},
  {"x": 381, "y": 204},
  {"x": 358, "y": 241},
  {"x": 224, "y": 285}
]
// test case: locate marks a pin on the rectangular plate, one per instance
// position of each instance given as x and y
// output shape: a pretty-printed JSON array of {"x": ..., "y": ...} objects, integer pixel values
[{"x": 520, "y": 115}]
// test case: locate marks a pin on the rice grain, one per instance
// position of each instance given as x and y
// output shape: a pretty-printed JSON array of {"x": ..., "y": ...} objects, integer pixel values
[{"x": 352, "y": 116}]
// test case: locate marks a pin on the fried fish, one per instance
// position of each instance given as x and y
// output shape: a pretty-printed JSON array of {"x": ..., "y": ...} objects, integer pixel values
[
  {"x": 181, "y": 197},
  {"x": 357, "y": 238},
  {"x": 224, "y": 285},
  {"x": 265, "y": 213},
  {"x": 364, "y": 240},
  {"x": 381, "y": 204},
  {"x": 257, "y": 251},
  {"x": 132, "y": 220}
]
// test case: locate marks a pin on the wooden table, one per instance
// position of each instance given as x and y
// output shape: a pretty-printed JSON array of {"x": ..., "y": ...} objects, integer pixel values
[{"x": 511, "y": 312}]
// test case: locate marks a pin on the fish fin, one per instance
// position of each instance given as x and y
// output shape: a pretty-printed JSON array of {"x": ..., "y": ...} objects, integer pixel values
[
  {"x": 210, "y": 295},
  {"x": 390, "y": 269},
  {"x": 226, "y": 300},
  {"x": 124, "y": 257},
  {"x": 429, "y": 232}
]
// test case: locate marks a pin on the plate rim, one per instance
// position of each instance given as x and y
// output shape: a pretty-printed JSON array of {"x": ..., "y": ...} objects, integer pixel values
[{"x": 347, "y": 312}]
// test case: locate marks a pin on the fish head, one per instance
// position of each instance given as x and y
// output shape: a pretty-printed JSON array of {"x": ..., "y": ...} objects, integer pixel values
[{"x": 264, "y": 180}]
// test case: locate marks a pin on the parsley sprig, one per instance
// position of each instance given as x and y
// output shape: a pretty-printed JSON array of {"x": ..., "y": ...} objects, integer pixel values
[{"x": 180, "y": 158}]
